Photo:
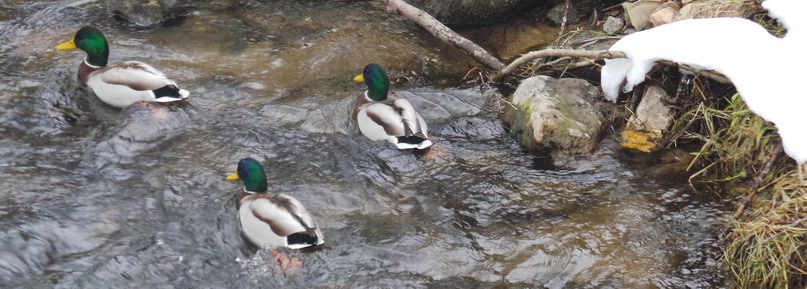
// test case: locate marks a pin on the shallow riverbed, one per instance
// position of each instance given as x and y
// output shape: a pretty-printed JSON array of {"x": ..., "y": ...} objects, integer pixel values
[{"x": 136, "y": 198}]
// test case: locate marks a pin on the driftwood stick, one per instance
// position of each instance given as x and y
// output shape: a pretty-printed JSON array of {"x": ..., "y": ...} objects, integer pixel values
[
  {"x": 757, "y": 182},
  {"x": 595, "y": 54},
  {"x": 443, "y": 33}
]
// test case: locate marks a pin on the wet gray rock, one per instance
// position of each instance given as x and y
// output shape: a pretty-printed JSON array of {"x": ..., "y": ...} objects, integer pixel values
[
  {"x": 652, "y": 115},
  {"x": 555, "y": 115},
  {"x": 556, "y": 13},
  {"x": 473, "y": 12},
  {"x": 613, "y": 25}
]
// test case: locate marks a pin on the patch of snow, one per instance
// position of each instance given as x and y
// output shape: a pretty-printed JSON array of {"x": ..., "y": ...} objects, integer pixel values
[{"x": 765, "y": 69}]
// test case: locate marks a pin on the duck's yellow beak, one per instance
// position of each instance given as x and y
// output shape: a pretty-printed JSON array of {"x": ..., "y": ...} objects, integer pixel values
[
  {"x": 359, "y": 78},
  {"x": 232, "y": 177},
  {"x": 67, "y": 45}
]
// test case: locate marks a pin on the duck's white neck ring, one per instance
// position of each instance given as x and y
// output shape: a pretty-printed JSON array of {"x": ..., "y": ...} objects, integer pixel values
[
  {"x": 90, "y": 65},
  {"x": 252, "y": 193}
]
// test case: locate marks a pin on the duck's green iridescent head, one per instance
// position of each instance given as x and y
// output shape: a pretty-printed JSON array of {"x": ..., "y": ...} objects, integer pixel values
[
  {"x": 250, "y": 172},
  {"x": 92, "y": 42},
  {"x": 377, "y": 82}
]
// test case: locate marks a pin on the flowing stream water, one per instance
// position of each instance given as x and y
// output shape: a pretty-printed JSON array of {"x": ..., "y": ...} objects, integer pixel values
[{"x": 97, "y": 197}]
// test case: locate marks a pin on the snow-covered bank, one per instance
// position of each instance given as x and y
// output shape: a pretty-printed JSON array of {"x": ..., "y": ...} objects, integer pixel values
[{"x": 763, "y": 68}]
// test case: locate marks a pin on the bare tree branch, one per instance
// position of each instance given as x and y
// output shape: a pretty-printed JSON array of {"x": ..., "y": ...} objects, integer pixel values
[
  {"x": 443, "y": 33},
  {"x": 594, "y": 54},
  {"x": 600, "y": 54}
]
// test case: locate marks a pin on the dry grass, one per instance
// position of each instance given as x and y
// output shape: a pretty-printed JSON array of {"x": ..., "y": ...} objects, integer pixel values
[
  {"x": 720, "y": 8},
  {"x": 737, "y": 143},
  {"x": 768, "y": 247},
  {"x": 769, "y": 250}
]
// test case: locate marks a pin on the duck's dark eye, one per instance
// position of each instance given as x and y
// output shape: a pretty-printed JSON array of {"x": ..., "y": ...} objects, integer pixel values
[{"x": 242, "y": 173}]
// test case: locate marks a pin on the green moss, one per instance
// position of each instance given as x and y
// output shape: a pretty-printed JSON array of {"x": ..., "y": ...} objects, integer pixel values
[{"x": 524, "y": 120}]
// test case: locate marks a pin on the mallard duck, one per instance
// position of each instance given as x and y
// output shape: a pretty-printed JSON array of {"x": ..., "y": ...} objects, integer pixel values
[
  {"x": 276, "y": 220},
  {"x": 383, "y": 117},
  {"x": 123, "y": 84}
]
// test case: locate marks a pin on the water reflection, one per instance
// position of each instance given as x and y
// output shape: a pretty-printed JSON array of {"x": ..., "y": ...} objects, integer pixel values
[{"x": 100, "y": 197}]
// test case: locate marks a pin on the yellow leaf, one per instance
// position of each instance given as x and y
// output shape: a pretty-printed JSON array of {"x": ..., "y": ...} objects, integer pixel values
[{"x": 637, "y": 140}]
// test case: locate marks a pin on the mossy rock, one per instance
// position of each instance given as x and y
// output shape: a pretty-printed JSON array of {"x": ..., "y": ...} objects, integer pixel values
[{"x": 555, "y": 116}]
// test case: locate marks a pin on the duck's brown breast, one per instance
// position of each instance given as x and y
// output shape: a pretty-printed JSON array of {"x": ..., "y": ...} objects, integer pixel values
[
  {"x": 360, "y": 101},
  {"x": 84, "y": 71}
]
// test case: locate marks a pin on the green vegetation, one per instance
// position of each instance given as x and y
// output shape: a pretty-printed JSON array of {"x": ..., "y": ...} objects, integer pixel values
[
  {"x": 768, "y": 249},
  {"x": 767, "y": 244}
]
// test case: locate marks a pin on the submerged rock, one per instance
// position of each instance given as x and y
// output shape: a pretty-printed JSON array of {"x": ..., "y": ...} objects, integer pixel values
[
  {"x": 510, "y": 40},
  {"x": 473, "y": 12},
  {"x": 555, "y": 115},
  {"x": 148, "y": 12},
  {"x": 558, "y": 11},
  {"x": 671, "y": 163}
]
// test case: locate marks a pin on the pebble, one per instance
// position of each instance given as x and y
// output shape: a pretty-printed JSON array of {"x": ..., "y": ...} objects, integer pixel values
[
  {"x": 613, "y": 25},
  {"x": 664, "y": 14}
]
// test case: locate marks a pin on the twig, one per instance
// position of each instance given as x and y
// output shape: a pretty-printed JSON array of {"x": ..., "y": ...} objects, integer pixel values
[
  {"x": 474, "y": 69},
  {"x": 538, "y": 64},
  {"x": 593, "y": 40},
  {"x": 566, "y": 8},
  {"x": 757, "y": 181},
  {"x": 443, "y": 33},
  {"x": 509, "y": 103},
  {"x": 599, "y": 54},
  {"x": 611, "y": 7},
  {"x": 585, "y": 62}
]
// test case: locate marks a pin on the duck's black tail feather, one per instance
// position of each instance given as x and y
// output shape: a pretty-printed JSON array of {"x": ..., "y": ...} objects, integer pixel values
[{"x": 170, "y": 91}]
